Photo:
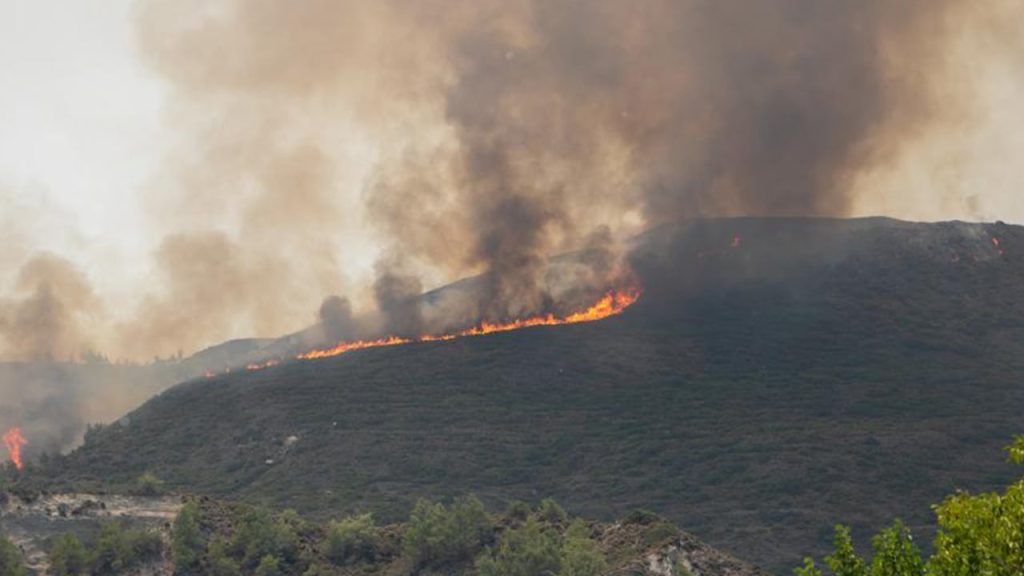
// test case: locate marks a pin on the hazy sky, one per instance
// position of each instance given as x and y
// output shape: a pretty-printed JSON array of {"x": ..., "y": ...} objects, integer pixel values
[
  {"x": 129, "y": 153},
  {"x": 81, "y": 123}
]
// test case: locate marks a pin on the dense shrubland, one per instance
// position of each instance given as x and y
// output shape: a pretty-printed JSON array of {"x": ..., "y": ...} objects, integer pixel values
[
  {"x": 461, "y": 537},
  {"x": 115, "y": 550}
]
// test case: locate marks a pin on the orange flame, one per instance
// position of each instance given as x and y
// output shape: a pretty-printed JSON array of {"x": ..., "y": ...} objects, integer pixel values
[
  {"x": 611, "y": 304},
  {"x": 262, "y": 365},
  {"x": 14, "y": 441}
]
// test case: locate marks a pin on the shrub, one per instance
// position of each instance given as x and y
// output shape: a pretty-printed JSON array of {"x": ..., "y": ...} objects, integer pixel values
[
  {"x": 11, "y": 562},
  {"x": 269, "y": 566},
  {"x": 581, "y": 556},
  {"x": 517, "y": 510},
  {"x": 68, "y": 556},
  {"x": 149, "y": 485},
  {"x": 117, "y": 548},
  {"x": 526, "y": 551},
  {"x": 977, "y": 535},
  {"x": 550, "y": 511},
  {"x": 260, "y": 534},
  {"x": 220, "y": 562},
  {"x": 353, "y": 539},
  {"x": 436, "y": 534},
  {"x": 186, "y": 539},
  {"x": 534, "y": 549}
]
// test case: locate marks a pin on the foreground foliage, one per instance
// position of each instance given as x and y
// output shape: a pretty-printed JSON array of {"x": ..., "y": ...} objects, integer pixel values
[
  {"x": 116, "y": 549},
  {"x": 978, "y": 535},
  {"x": 11, "y": 563}
]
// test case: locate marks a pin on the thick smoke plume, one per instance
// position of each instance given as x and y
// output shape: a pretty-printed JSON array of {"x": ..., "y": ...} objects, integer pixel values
[{"x": 481, "y": 137}]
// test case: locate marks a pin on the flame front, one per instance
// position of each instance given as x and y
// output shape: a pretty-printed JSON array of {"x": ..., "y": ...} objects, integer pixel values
[
  {"x": 611, "y": 304},
  {"x": 14, "y": 441}
]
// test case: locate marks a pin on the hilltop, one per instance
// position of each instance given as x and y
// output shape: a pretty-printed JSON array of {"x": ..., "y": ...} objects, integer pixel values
[{"x": 777, "y": 376}]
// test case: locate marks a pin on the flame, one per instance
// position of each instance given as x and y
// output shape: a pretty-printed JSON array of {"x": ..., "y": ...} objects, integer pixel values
[
  {"x": 14, "y": 441},
  {"x": 998, "y": 245},
  {"x": 611, "y": 304},
  {"x": 262, "y": 365}
]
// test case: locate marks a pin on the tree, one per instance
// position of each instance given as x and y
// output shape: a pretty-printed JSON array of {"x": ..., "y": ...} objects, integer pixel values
[
  {"x": 581, "y": 556},
  {"x": 149, "y": 485},
  {"x": 269, "y": 566},
  {"x": 436, "y": 534},
  {"x": 526, "y": 551},
  {"x": 353, "y": 539},
  {"x": 536, "y": 548},
  {"x": 844, "y": 561},
  {"x": 186, "y": 538},
  {"x": 68, "y": 557},
  {"x": 11, "y": 562},
  {"x": 978, "y": 534}
]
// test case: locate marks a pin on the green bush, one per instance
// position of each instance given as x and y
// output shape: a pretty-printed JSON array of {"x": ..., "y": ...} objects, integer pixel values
[
  {"x": 979, "y": 534},
  {"x": 535, "y": 549},
  {"x": 149, "y": 485},
  {"x": 550, "y": 511},
  {"x": 526, "y": 551},
  {"x": 517, "y": 510},
  {"x": 437, "y": 535},
  {"x": 186, "y": 538},
  {"x": 220, "y": 563},
  {"x": 68, "y": 557},
  {"x": 353, "y": 539},
  {"x": 258, "y": 535},
  {"x": 581, "y": 556},
  {"x": 269, "y": 566},
  {"x": 117, "y": 549},
  {"x": 11, "y": 562}
]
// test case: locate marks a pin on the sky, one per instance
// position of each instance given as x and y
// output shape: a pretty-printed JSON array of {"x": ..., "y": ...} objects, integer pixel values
[
  {"x": 81, "y": 118},
  {"x": 111, "y": 122}
]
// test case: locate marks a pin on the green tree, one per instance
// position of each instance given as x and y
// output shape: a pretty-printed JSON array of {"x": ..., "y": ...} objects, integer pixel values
[
  {"x": 550, "y": 511},
  {"x": 149, "y": 485},
  {"x": 978, "y": 535},
  {"x": 68, "y": 557},
  {"x": 844, "y": 561},
  {"x": 352, "y": 539},
  {"x": 186, "y": 537},
  {"x": 117, "y": 549},
  {"x": 581, "y": 556},
  {"x": 259, "y": 534},
  {"x": 436, "y": 534},
  {"x": 525, "y": 551},
  {"x": 11, "y": 562},
  {"x": 220, "y": 561},
  {"x": 269, "y": 566},
  {"x": 895, "y": 554}
]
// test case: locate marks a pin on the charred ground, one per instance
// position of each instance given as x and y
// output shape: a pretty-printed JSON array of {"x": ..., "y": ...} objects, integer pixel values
[{"x": 777, "y": 376}]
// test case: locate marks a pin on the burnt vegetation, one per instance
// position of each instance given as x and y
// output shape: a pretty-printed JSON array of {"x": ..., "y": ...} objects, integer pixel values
[{"x": 776, "y": 377}]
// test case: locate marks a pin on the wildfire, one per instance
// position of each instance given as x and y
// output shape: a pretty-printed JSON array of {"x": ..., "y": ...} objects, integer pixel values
[
  {"x": 262, "y": 365},
  {"x": 611, "y": 304},
  {"x": 998, "y": 246},
  {"x": 14, "y": 441}
]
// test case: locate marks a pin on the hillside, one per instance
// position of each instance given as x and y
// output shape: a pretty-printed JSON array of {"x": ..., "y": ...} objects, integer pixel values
[{"x": 776, "y": 377}]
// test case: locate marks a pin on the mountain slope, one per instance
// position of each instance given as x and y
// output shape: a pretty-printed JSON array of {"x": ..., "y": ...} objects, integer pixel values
[{"x": 776, "y": 377}]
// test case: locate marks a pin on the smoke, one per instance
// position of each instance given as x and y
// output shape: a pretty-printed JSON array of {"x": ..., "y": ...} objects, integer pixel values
[
  {"x": 398, "y": 299},
  {"x": 309, "y": 141},
  {"x": 336, "y": 318},
  {"x": 47, "y": 316}
]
